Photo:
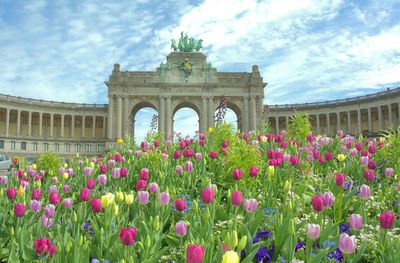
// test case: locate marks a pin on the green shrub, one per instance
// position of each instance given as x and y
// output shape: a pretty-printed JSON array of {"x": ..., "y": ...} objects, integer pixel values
[
  {"x": 49, "y": 162},
  {"x": 299, "y": 126}
]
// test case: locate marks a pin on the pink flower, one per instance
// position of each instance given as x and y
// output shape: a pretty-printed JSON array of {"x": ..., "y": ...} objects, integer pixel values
[
  {"x": 213, "y": 154},
  {"x": 180, "y": 205},
  {"x": 364, "y": 160},
  {"x": 66, "y": 188},
  {"x": 11, "y": 193},
  {"x": 237, "y": 198},
  {"x": 141, "y": 185},
  {"x": 365, "y": 192},
  {"x": 347, "y": 244},
  {"x": 313, "y": 231},
  {"x": 207, "y": 195},
  {"x": 250, "y": 205},
  {"x": 153, "y": 188},
  {"x": 339, "y": 179},
  {"x": 253, "y": 171},
  {"x": 85, "y": 194},
  {"x": 46, "y": 221},
  {"x": 102, "y": 179},
  {"x": 123, "y": 172},
  {"x": 177, "y": 154},
  {"x": 294, "y": 160},
  {"x": 369, "y": 175},
  {"x": 317, "y": 203},
  {"x": 143, "y": 197},
  {"x": 194, "y": 254},
  {"x": 164, "y": 198},
  {"x": 189, "y": 166},
  {"x": 355, "y": 221},
  {"x": 386, "y": 219},
  {"x": 96, "y": 205},
  {"x": 36, "y": 193},
  {"x": 19, "y": 209},
  {"x": 67, "y": 202},
  {"x": 199, "y": 156},
  {"x": 49, "y": 211},
  {"x": 329, "y": 156},
  {"x": 44, "y": 246},
  {"x": 127, "y": 235},
  {"x": 389, "y": 172},
  {"x": 116, "y": 172},
  {"x": 237, "y": 174},
  {"x": 179, "y": 169},
  {"x": 144, "y": 174},
  {"x": 103, "y": 168},
  {"x": 181, "y": 228},
  {"x": 328, "y": 198},
  {"x": 87, "y": 171},
  {"x": 54, "y": 198},
  {"x": 91, "y": 183},
  {"x": 36, "y": 206}
]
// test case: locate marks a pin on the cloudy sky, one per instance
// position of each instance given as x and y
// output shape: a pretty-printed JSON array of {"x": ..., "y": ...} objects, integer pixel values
[{"x": 317, "y": 49}]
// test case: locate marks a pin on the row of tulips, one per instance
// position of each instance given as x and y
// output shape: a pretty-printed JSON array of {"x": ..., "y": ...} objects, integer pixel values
[{"x": 222, "y": 197}]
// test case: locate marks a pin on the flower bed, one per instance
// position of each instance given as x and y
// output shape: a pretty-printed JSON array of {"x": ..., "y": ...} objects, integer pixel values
[{"x": 223, "y": 197}]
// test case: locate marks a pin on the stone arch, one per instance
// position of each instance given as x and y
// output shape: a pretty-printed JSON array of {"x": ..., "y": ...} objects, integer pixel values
[
  {"x": 130, "y": 124},
  {"x": 186, "y": 104},
  {"x": 236, "y": 107}
]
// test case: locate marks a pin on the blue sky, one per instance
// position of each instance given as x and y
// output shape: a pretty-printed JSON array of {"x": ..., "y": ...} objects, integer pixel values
[{"x": 316, "y": 49}]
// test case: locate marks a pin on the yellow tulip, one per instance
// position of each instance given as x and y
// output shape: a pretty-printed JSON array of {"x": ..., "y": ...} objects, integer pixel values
[
  {"x": 33, "y": 166},
  {"x": 264, "y": 139},
  {"x": 65, "y": 176},
  {"x": 65, "y": 165},
  {"x": 104, "y": 201},
  {"x": 230, "y": 257},
  {"x": 111, "y": 197},
  {"x": 21, "y": 190},
  {"x": 271, "y": 170},
  {"x": 129, "y": 199},
  {"x": 92, "y": 165},
  {"x": 115, "y": 209},
  {"x": 120, "y": 141},
  {"x": 77, "y": 155},
  {"x": 341, "y": 157},
  {"x": 211, "y": 130},
  {"x": 119, "y": 196}
]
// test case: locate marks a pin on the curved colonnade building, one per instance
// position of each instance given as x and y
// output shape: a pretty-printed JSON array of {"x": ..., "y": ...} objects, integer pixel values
[{"x": 29, "y": 127}]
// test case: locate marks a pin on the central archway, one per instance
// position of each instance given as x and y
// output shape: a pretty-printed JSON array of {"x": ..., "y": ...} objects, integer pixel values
[
  {"x": 144, "y": 119},
  {"x": 186, "y": 120}
]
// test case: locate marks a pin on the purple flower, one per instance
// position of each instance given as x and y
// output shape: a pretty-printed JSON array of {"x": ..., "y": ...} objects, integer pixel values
[
  {"x": 263, "y": 255},
  {"x": 344, "y": 228}
]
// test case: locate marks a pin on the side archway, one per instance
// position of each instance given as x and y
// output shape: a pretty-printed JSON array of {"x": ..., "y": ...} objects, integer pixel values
[{"x": 143, "y": 119}]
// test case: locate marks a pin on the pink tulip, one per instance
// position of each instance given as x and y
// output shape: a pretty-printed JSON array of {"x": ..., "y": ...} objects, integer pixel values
[
  {"x": 164, "y": 198},
  {"x": 389, "y": 172},
  {"x": 237, "y": 174},
  {"x": 181, "y": 228},
  {"x": 355, "y": 221},
  {"x": 153, "y": 188},
  {"x": 250, "y": 205},
  {"x": 199, "y": 156},
  {"x": 11, "y": 193},
  {"x": 236, "y": 198},
  {"x": 328, "y": 199},
  {"x": 96, "y": 205},
  {"x": 144, "y": 174},
  {"x": 87, "y": 171},
  {"x": 36, "y": 206},
  {"x": 143, "y": 197},
  {"x": 339, "y": 179},
  {"x": 253, "y": 171},
  {"x": 313, "y": 231},
  {"x": 365, "y": 192},
  {"x": 369, "y": 175},
  {"x": 102, "y": 179},
  {"x": 213, "y": 154},
  {"x": 103, "y": 168},
  {"x": 386, "y": 219},
  {"x": 67, "y": 202},
  {"x": 141, "y": 185},
  {"x": 177, "y": 154},
  {"x": 54, "y": 198},
  {"x": 207, "y": 195},
  {"x": 189, "y": 166},
  {"x": 317, "y": 203},
  {"x": 19, "y": 209},
  {"x": 90, "y": 183},
  {"x": 194, "y": 254},
  {"x": 36, "y": 193},
  {"x": 85, "y": 194},
  {"x": 179, "y": 169},
  {"x": 347, "y": 244},
  {"x": 123, "y": 172},
  {"x": 180, "y": 205},
  {"x": 364, "y": 160},
  {"x": 49, "y": 211},
  {"x": 46, "y": 221}
]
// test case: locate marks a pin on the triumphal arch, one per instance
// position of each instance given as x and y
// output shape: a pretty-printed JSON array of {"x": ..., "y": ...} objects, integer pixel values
[{"x": 186, "y": 79}]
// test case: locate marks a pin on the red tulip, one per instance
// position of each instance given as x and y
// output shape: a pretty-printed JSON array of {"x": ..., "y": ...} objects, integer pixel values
[
  {"x": 96, "y": 205},
  {"x": 237, "y": 198},
  {"x": 339, "y": 179},
  {"x": 85, "y": 194},
  {"x": 19, "y": 209},
  {"x": 141, "y": 185},
  {"x": 317, "y": 203},
  {"x": 207, "y": 195},
  {"x": 253, "y": 171},
  {"x": 194, "y": 254},
  {"x": 11, "y": 193},
  {"x": 54, "y": 198},
  {"x": 386, "y": 219},
  {"x": 180, "y": 205},
  {"x": 127, "y": 235}
]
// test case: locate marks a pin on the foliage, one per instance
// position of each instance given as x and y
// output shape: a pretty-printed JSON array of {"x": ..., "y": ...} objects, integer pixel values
[
  {"x": 299, "y": 126},
  {"x": 264, "y": 127},
  {"x": 49, "y": 162},
  {"x": 391, "y": 152}
]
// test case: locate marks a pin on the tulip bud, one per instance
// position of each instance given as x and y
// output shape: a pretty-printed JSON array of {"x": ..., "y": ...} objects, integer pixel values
[
  {"x": 122, "y": 261},
  {"x": 68, "y": 247},
  {"x": 288, "y": 186},
  {"x": 156, "y": 223},
  {"x": 271, "y": 170},
  {"x": 74, "y": 217},
  {"x": 291, "y": 226},
  {"x": 148, "y": 242},
  {"x": 206, "y": 215},
  {"x": 227, "y": 238},
  {"x": 242, "y": 243},
  {"x": 195, "y": 206},
  {"x": 233, "y": 240},
  {"x": 290, "y": 205},
  {"x": 18, "y": 231},
  {"x": 80, "y": 240},
  {"x": 115, "y": 209},
  {"x": 65, "y": 176},
  {"x": 12, "y": 231}
]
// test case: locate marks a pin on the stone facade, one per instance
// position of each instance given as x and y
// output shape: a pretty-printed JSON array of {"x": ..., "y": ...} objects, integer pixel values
[{"x": 30, "y": 127}]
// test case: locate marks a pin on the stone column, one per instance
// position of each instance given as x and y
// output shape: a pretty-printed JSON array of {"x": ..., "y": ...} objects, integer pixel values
[
  {"x": 348, "y": 122},
  {"x": 19, "y": 122},
  {"x": 390, "y": 115},
  {"x": 119, "y": 117},
  {"x": 203, "y": 117},
  {"x": 51, "y": 124},
  {"x": 245, "y": 118},
  {"x": 253, "y": 113},
  {"x": 72, "y": 126},
  {"x": 318, "y": 127},
  {"x": 211, "y": 112},
  {"x": 125, "y": 119},
  {"x": 168, "y": 119},
  {"x": 338, "y": 120},
  {"x": 359, "y": 123},
  {"x": 94, "y": 127},
  {"x": 287, "y": 122},
  {"x": 369, "y": 122},
  {"x": 29, "y": 123},
  {"x": 40, "y": 123},
  {"x": 277, "y": 125},
  {"x": 62, "y": 126},
  {"x": 380, "y": 119},
  {"x": 328, "y": 124},
  {"x": 104, "y": 127},
  {"x": 7, "y": 121},
  {"x": 83, "y": 126},
  {"x": 161, "y": 116},
  {"x": 109, "y": 117}
]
